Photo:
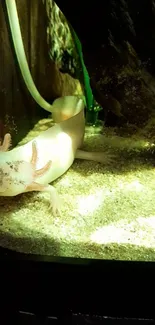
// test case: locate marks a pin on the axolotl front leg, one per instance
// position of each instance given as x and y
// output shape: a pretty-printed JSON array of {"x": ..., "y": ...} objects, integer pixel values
[
  {"x": 5, "y": 145},
  {"x": 34, "y": 186},
  {"x": 20, "y": 176}
]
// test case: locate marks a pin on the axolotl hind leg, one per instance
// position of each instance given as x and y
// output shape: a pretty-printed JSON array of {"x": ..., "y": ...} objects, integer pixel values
[{"x": 104, "y": 158}]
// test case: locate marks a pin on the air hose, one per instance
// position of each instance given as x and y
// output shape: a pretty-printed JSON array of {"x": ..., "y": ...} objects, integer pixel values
[{"x": 21, "y": 56}]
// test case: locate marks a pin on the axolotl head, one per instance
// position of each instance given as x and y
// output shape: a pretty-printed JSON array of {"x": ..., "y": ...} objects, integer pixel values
[
  {"x": 66, "y": 107},
  {"x": 15, "y": 176}
]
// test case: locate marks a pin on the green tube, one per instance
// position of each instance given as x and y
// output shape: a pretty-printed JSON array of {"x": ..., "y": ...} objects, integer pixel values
[
  {"x": 21, "y": 57},
  {"x": 88, "y": 92}
]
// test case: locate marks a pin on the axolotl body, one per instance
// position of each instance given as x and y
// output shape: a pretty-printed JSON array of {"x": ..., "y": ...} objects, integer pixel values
[{"x": 34, "y": 165}]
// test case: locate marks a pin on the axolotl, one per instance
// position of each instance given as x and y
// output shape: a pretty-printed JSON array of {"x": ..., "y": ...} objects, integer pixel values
[{"x": 34, "y": 165}]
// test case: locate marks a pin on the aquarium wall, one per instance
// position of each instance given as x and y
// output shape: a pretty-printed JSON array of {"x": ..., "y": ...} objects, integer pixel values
[{"x": 103, "y": 172}]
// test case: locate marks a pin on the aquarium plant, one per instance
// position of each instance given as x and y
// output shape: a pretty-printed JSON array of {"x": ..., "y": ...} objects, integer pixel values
[{"x": 92, "y": 108}]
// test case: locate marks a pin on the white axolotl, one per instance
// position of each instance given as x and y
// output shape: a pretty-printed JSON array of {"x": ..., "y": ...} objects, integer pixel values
[{"x": 34, "y": 165}]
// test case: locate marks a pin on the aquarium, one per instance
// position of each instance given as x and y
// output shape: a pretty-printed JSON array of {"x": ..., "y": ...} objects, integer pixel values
[{"x": 77, "y": 130}]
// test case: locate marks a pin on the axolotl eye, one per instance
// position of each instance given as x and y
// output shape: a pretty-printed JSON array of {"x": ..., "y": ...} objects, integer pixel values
[{"x": 15, "y": 176}]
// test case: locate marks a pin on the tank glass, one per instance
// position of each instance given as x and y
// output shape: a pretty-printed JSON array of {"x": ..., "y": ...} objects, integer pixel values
[{"x": 77, "y": 130}]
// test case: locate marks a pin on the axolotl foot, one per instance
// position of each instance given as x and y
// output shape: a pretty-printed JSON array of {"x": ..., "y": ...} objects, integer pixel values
[{"x": 55, "y": 204}]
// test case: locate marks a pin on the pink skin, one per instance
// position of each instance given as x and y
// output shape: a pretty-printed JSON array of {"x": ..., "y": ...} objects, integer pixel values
[
  {"x": 31, "y": 168},
  {"x": 5, "y": 145}
]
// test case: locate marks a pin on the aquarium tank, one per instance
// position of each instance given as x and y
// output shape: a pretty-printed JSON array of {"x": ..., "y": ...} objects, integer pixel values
[{"x": 77, "y": 130}]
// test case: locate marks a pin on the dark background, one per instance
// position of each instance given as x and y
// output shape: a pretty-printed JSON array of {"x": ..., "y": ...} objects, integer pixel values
[
  {"x": 132, "y": 20},
  {"x": 118, "y": 40}
]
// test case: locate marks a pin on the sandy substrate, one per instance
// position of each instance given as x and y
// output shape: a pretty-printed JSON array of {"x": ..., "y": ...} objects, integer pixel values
[{"x": 107, "y": 212}]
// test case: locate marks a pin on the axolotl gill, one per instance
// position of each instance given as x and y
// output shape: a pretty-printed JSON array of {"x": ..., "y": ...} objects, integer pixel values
[{"x": 34, "y": 165}]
